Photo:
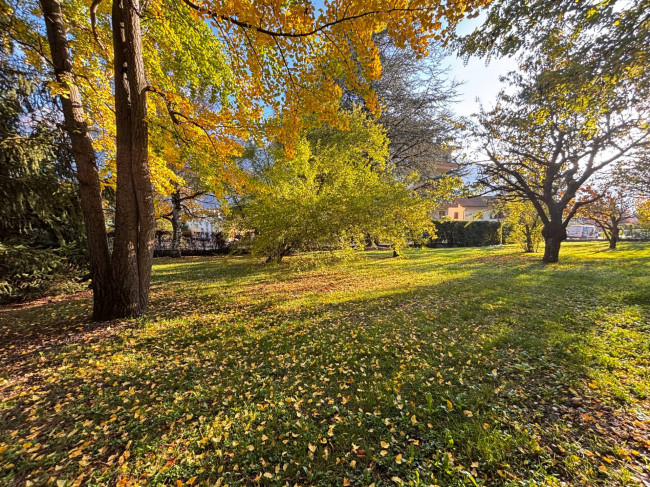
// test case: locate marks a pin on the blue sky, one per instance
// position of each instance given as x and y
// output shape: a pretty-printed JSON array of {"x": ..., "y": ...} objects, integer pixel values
[{"x": 481, "y": 80}]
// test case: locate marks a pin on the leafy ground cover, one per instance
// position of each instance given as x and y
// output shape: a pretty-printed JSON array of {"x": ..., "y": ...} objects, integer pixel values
[{"x": 443, "y": 367}]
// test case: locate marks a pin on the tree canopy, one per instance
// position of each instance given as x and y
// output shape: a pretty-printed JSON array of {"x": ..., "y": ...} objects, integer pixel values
[
  {"x": 336, "y": 191},
  {"x": 216, "y": 71},
  {"x": 544, "y": 144}
]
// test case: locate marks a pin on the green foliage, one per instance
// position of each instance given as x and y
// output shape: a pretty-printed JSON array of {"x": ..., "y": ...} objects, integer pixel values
[
  {"x": 41, "y": 227},
  {"x": 29, "y": 271},
  {"x": 426, "y": 369},
  {"x": 454, "y": 233},
  {"x": 643, "y": 211},
  {"x": 335, "y": 192},
  {"x": 525, "y": 224},
  {"x": 603, "y": 39}
]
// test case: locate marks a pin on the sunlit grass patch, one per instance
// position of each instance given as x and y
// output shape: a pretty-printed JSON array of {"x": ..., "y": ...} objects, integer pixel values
[{"x": 448, "y": 367}]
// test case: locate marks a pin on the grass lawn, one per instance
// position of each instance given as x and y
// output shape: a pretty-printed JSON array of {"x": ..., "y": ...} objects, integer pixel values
[{"x": 443, "y": 367}]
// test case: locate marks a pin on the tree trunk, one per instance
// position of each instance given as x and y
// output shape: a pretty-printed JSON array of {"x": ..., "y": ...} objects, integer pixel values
[
  {"x": 554, "y": 234},
  {"x": 85, "y": 160},
  {"x": 176, "y": 221},
  {"x": 529, "y": 240},
  {"x": 134, "y": 217},
  {"x": 613, "y": 237}
]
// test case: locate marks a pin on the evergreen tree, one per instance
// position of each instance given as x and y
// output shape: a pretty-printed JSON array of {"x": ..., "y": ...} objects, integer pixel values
[{"x": 41, "y": 229}]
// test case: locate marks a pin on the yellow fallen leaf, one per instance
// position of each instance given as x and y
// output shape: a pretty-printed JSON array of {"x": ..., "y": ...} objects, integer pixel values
[
  {"x": 450, "y": 406},
  {"x": 312, "y": 448},
  {"x": 385, "y": 444},
  {"x": 398, "y": 458}
]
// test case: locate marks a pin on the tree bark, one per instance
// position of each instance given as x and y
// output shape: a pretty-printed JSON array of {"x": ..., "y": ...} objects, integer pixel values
[
  {"x": 529, "y": 239},
  {"x": 134, "y": 219},
  {"x": 613, "y": 237},
  {"x": 176, "y": 220},
  {"x": 85, "y": 160},
  {"x": 554, "y": 234}
]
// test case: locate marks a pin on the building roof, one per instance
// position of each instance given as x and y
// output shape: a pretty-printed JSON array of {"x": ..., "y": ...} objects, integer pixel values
[{"x": 474, "y": 202}]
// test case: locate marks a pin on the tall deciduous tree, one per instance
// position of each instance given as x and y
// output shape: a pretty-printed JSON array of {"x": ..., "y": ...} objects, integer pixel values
[
  {"x": 544, "y": 144},
  {"x": 416, "y": 97},
  {"x": 284, "y": 57},
  {"x": 77, "y": 127},
  {"x": 609, "y": 38},
  {"x": 182, "y": 202}
]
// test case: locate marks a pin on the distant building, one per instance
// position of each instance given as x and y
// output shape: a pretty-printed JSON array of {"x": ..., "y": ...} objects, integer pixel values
[
  {"x": 582, "y": 232},
  {"x": 475, "y": 208}
]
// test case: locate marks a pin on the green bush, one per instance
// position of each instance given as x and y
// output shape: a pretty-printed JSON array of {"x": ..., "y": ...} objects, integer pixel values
[
  {"x": 466, "y": 234},
  {"x": 27, "y": 272}
]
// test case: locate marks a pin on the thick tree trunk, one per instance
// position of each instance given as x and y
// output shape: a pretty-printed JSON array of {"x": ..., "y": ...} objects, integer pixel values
[
  {"x": 85, "y": 161},
  {"x": 613, "y": 237},
  {"x": 134, "y": 219},
  {"x": 176, "y": 220},
  {"x": 554, "y": 234}
]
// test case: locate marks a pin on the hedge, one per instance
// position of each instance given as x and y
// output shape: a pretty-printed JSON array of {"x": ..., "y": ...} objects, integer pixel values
[
  {"x": 456, "y": 233},
  {"x": 191, "y": 252}
]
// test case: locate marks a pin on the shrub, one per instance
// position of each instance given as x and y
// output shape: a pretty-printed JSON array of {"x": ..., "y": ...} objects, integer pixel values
[
  {"x": 466, "y": 234},
  {"x": 28, "y": 272}
]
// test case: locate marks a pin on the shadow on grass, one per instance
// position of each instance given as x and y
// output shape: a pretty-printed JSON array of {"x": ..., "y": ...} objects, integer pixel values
[{"x": 371, "y": 371}]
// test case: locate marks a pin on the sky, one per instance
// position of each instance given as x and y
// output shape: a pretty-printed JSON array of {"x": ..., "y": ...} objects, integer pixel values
[{"x": 481, "y": 80}]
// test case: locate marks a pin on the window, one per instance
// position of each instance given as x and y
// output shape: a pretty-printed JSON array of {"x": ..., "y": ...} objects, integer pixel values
[
  {"x": 455, "y": 215},
  {"x": 441, "y": 214}
]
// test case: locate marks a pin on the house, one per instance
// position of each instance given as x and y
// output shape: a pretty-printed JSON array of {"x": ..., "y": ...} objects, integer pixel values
[{"x": 474, "y": 208}]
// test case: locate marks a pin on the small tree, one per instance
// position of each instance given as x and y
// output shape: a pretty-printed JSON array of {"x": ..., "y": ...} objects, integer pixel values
[
  {"x": 526, "y": 223},
  {"x": 184, "y": 201},
  {"x": 609, "y": 207},
  {"x": 334, "y": 192},
  {"x": 643, "y": 212}
]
